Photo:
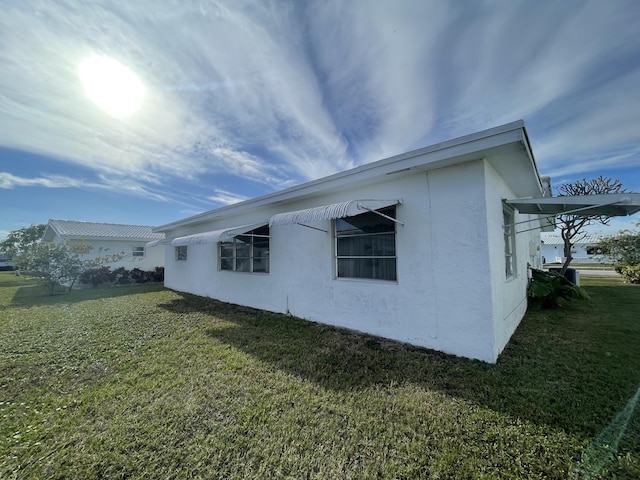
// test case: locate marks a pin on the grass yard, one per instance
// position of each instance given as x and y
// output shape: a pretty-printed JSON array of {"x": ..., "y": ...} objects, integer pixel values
[{"x": 143, "y": 382}]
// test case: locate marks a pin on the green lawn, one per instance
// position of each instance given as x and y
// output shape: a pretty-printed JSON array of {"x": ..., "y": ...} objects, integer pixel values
[{"x": 143, "y": 382}]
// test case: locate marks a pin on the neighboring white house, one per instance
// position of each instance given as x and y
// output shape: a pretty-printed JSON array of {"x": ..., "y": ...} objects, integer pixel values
[
  {"x": 430, "y": 247},
  {"x": 584, "y": 251},
  {"x": 110, "y": 239}
]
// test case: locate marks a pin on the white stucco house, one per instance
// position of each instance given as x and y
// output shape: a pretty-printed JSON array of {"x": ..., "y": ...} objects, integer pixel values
[
  {"x": 110, "y": 239},
  {"x": 430, "y": 247},
  {"x": 584, "y": 251}
]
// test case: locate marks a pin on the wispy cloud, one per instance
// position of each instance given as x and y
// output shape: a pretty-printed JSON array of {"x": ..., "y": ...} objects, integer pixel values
[
  {"x": 118, "y": 184},
  {"x": 274, "y": 93},
  {"x": 8, "y": 180},
  {"x": 226, "y": 198}
]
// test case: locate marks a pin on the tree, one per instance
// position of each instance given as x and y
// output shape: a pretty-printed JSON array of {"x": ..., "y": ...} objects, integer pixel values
[
  {"x": 54, "y": 263},
  {"x": 61, "y": 263},
  {"x": 572, "y": 225},
  {"x": 624, "y": 248},
  {"x": 20, "y": 240}
]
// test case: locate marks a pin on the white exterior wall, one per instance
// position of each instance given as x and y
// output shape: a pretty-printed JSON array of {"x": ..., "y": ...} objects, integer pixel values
[
  {"x": 555, "y": 253},
  {"x": 509, "y": 297},
  {"x": 552, "y": 253},
  {"x": 447, "y": 272},
  {"x": 154, "y": 257}
]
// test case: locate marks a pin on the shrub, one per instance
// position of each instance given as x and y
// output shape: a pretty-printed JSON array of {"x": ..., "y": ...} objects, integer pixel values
[
  {"x": 546, "y": 288},
  {"x": 142, "y": 276},
  {"x": 138, "y": 276},
  {"x": 96, "y": 276},
  {"x": 121, "y": 276},
  {"x": 158, "y": 274},
  {"x": 630, "y": 273}
]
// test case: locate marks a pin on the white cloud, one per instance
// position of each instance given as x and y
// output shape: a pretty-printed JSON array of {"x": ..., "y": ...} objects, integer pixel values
[
  {"x": 117, "y": 184},
  {"x": 8, "y": 180},
  {"x": 226, "y": 198},
  {"x": 280, "y": 92}
]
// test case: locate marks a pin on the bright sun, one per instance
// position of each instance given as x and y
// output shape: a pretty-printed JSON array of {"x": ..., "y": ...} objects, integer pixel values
[{"x": 111, "y": 85}]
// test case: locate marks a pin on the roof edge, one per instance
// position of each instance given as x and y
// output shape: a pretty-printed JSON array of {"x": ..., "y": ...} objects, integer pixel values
[{"x": 299, "y": 190}]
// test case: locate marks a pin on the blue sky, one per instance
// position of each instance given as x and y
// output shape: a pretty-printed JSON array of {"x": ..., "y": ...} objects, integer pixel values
[{"x": 243, "y": 98}]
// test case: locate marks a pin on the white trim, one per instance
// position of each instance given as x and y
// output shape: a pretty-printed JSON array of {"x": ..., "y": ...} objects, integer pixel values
[
  {"x": 330, "y": 212},
  {"x": 214, "y": 236}
]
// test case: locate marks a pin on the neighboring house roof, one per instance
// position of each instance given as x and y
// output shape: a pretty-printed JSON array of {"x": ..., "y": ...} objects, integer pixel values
[
  {"x": 506, "y": 147},
  {"x": 72, "y": 230},
  {"x": 557, "y": 239}
]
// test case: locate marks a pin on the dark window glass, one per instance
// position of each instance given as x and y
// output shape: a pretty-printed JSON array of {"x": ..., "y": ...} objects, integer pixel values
[
  {"x": 181, "y": 253},
  {"x": 366, "y": 246},
  {"x": 246, "y": 253}
]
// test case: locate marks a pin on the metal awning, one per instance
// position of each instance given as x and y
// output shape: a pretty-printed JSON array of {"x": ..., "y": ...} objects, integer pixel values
[
  {"x": 609, "y": 204},
  {"x": 155, "y": 243},
  {"x": 214, "y": 236},
  {"x": 331, "y": 212}
]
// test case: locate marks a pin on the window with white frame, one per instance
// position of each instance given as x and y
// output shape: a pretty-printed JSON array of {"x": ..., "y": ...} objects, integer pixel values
[
  {"x": 138, "y": 252},
  {"x": 365, "y": 245},
  {"x": 181, "y": 253},
  {"x": 248, "y": 252},
  {"x": 509, "y": 241}
]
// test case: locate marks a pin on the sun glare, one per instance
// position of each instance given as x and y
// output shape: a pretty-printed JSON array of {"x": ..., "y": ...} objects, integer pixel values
[{"x": 111, "y": 85}]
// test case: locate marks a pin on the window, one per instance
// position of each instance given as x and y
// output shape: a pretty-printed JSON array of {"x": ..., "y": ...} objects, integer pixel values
[
  {"x": 248, "y": 252},
  {"x": 509, "y": 241},
  {"x": 366, "y": 246},
  {"x": 138, "y": 251},
  {"x": 181, "y": 253}
]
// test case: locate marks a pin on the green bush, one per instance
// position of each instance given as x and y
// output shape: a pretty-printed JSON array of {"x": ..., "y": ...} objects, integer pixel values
[
  {"x": 158, "y": 274},
  {"x": 630, "y": 273},
  {"x": 121, "y": 276},
  {"x": 96, "y": 276},
  {"x": 546, "y": 288},
  {"x": 143, "y": 276}
]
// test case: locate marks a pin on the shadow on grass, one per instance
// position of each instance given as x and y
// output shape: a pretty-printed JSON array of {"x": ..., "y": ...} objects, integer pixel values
[
  {"x": 550, "y": 373},
  {"x": 30, "y": 293}
]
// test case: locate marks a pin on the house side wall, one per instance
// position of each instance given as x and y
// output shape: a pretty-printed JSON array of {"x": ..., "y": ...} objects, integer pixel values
[
  {"x": 509, "y": 295},
  {"x": 441, "y": 299},
  {"x": 460, "y": 260},
  {"x": 154, "y": 257}
]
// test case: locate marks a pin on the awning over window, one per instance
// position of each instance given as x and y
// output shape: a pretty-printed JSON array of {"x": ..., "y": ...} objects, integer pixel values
[
  {"x": 330, "y": 212},
  {"x": 611, "y": 204},
  {"x": 155, "y": 243},
  {"x": 214, "y": 236}
]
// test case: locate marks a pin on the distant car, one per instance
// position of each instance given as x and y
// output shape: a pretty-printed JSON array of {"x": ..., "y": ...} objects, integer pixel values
[{"x": 6, "y": 264}]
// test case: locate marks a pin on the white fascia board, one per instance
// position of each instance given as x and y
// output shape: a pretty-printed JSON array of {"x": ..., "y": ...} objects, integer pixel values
[{"x": 452, "y": 152}]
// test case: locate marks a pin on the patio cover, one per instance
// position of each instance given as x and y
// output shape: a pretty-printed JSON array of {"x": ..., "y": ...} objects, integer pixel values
[
  {"x": 609, "y": 204},
  {"x": 214, "y": 236},
  {"x": 330, "y": 212}
]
